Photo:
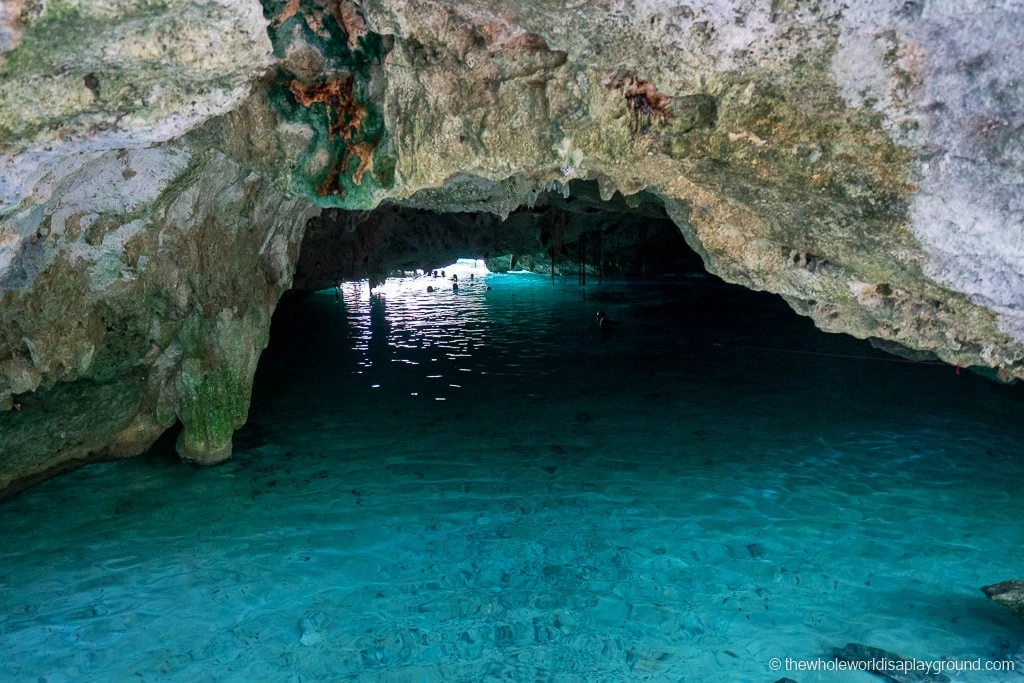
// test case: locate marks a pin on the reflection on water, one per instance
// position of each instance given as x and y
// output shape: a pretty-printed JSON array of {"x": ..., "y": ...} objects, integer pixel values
[{"x": 481, "y": 485}]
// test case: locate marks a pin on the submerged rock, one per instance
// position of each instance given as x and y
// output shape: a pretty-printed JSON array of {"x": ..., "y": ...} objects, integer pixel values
[
  {"x": 313, "y": 628},
  {"x": 887, "y": 665},
  {"x": 1009, "y": 594}
]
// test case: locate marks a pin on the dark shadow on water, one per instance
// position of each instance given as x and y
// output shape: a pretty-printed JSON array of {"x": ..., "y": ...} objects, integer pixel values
[{"x": 700, "y": 335}]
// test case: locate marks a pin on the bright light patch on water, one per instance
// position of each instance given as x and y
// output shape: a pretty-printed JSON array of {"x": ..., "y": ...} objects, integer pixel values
[
  {"x": 465, "y": 267},
  {"x": 660, "y": 502},
  {"x": 463, "y": 272}
]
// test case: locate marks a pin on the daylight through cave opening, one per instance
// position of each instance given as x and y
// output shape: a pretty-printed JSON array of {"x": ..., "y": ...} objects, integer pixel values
[{"x": 568, "y": 231}]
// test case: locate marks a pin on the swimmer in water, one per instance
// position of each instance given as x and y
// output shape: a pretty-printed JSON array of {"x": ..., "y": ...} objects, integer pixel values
[{"x": 603, "y": 321}]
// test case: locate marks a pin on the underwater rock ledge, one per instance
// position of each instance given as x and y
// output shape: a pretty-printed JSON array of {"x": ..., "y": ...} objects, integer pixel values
[{"x": 1009, "y": 594}]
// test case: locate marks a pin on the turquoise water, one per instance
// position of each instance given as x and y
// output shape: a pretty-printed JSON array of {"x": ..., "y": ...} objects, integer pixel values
[{"x": 481, "y": 486}]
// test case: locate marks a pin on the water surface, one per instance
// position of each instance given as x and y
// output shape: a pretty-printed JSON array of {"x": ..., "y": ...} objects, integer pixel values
[{"x": 481, "y": 486}]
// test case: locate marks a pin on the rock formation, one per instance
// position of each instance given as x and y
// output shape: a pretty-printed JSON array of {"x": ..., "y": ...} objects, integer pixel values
[
  {"x": 1009, "y": 594},
  {"x": 159, "y": 163},
  {"x": 138, "y": 289},
  {"x": 888, "y": 666}
]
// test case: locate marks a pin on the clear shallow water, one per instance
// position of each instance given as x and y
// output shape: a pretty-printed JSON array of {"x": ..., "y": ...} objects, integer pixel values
[{"x": 479, "y": 486}]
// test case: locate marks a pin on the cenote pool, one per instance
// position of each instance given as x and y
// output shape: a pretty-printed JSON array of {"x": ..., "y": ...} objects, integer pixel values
[{"x": 481, "y": 486}]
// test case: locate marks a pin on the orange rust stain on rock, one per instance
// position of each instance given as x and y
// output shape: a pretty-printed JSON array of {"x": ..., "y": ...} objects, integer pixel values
[
  {"x": 316, "y": 24},
  {"x": 364, "y": 151},
  {"x": 331, "y": 182},
  {"x": 289, "y": 11},
  {"x": 660, "y": 103},
  {"x": 345, "y": 12},
  {"x": 344, "y": 116},
  {"x": 348, "y": 17},
  {"x": 643, "y": 101},
  {"x": 333, "y": 91}
]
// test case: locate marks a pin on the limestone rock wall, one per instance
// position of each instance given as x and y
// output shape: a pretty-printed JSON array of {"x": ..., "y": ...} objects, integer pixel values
[
  {"x": 121, "y": 71},
  {"x": 861, "y": 159},
  {"x": 138, "y": 288},
  {"x": 158, "y": 162}
]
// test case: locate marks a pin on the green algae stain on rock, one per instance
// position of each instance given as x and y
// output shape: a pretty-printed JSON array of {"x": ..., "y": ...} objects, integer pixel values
[
  {"x": 215, "y": 380},
  {"x": 331, "y": 84}
]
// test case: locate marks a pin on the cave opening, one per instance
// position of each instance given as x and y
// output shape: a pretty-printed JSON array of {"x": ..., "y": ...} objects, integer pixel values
[
  {"x": 440, "y": 481},
  {"x": 402, "y": 273},
  {"x": 569, "y": 231}
]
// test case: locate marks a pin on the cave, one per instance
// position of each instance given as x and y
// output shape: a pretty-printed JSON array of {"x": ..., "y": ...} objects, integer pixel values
[
  {"x": 433, "y": 341},
  {"x": 568, "y": 228},
  {"x": 440, "y": 471}
]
